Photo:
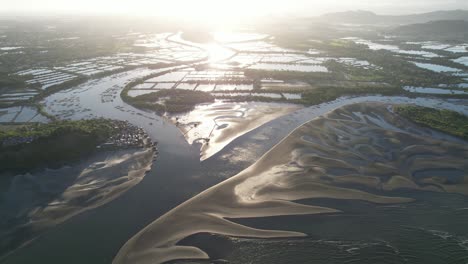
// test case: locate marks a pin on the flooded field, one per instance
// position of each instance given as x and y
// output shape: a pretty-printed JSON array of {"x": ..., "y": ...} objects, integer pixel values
[
  {"x": 394, "y": 48},
  {"x": 21, "y": 114},
  {"x": 46, "y": 78},
  {"x": 425, "y": 90},
  {"x": 161, "y": 51},
  {"x": 436, "y": 68},
  {"x": 462, "y": 60},
  {"x": 433, "y": 45},
  {"x": 233, "y": 57},
  {"x": 287, "y": 67},
  {"x": 226, "y": 65}
]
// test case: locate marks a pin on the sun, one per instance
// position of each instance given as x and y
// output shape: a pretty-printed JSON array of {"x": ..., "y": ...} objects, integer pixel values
[{"x": 218, "y": 53}]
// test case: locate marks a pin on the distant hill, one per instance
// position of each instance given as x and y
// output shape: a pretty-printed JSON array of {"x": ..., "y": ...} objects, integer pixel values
[
  {"x": 352, "y": 17},
  {"x": 367, "y": 17},
  {"x": 435, "y": 30}
]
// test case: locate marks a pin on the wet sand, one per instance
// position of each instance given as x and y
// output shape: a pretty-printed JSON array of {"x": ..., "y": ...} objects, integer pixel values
[
  {"x": 339, "y": 156},
  {"x": 223, "y": 122},
  {"x": 38, "y": 201}
]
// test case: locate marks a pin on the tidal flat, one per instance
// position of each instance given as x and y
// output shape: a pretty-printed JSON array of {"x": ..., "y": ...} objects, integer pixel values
[
  {"x": 216, "y": 125},
  {"x": 361, "y": 152}
]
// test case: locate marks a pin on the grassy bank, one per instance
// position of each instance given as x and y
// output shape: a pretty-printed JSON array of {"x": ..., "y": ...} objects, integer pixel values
[
  {"x": 172, "y": 101},
  {"x": 33, "y": 146},
  {"x": 446, "y": 121}
]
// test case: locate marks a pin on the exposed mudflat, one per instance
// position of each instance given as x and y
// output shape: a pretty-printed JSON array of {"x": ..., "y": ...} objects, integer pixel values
[
  {"x": 216, "y": 125},
  {"x": 360, "y": 152}
]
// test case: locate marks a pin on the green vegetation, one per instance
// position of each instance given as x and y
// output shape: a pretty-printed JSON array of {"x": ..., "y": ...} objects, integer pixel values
[
  {"x": 34, "y": 146},
  {"x": 67, "y": 42},
  {"x": 326, "y": 94},
  {"x": 287, "y": 75},
  {"x": 44, "y": 93},
  {"x": 172, "y": 101},
  {"x": 392, "y": 69},
  {"x": 11, "y": 81},
  {"x": 386, "y": 75},
  {"x": 443, "y": 120},
  {"x": 253, "y": 98},
  {"x": 46, "y": 48}
]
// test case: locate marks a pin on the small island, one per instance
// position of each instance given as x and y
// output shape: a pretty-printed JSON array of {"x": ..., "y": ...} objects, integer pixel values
[
  {"x": 171, "y": 101},
  {"x": 23, "y": 146}
]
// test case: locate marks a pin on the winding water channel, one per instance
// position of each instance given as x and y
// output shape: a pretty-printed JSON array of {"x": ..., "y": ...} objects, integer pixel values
[{"x": 97, "y": 235}]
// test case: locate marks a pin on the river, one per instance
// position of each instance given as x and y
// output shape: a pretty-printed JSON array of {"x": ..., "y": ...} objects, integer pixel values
[{"x": 96, "y": 235}]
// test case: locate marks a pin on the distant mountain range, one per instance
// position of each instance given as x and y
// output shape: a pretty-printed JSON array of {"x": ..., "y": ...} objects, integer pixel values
[
  {"x": 436, "y": 30},
  {"x": 367, "y": 17}
]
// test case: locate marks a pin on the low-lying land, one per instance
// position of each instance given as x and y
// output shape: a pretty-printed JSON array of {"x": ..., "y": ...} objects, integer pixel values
[
  {"x": 443, "y": 120},
  {"x": 172, "y": 101},
  {"x": 280, "y": 70},
  {"x": 295, "y": 69},
  {"x": 64, "y": 142}
]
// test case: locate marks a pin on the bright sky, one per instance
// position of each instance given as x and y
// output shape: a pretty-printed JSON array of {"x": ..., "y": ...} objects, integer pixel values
[{"x": 225, "y": 8}]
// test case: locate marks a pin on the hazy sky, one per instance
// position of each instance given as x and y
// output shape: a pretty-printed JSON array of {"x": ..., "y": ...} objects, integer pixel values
[{"x": 222, "y": 8}]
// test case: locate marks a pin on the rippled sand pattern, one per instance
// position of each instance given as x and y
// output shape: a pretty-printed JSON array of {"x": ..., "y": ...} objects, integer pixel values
[{"x": 337, "y": 156}]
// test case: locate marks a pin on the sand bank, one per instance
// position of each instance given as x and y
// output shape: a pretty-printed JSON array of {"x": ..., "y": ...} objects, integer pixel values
[
  {"x": 337, "y": 156},
  {"x": 216, "y": 125}
]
